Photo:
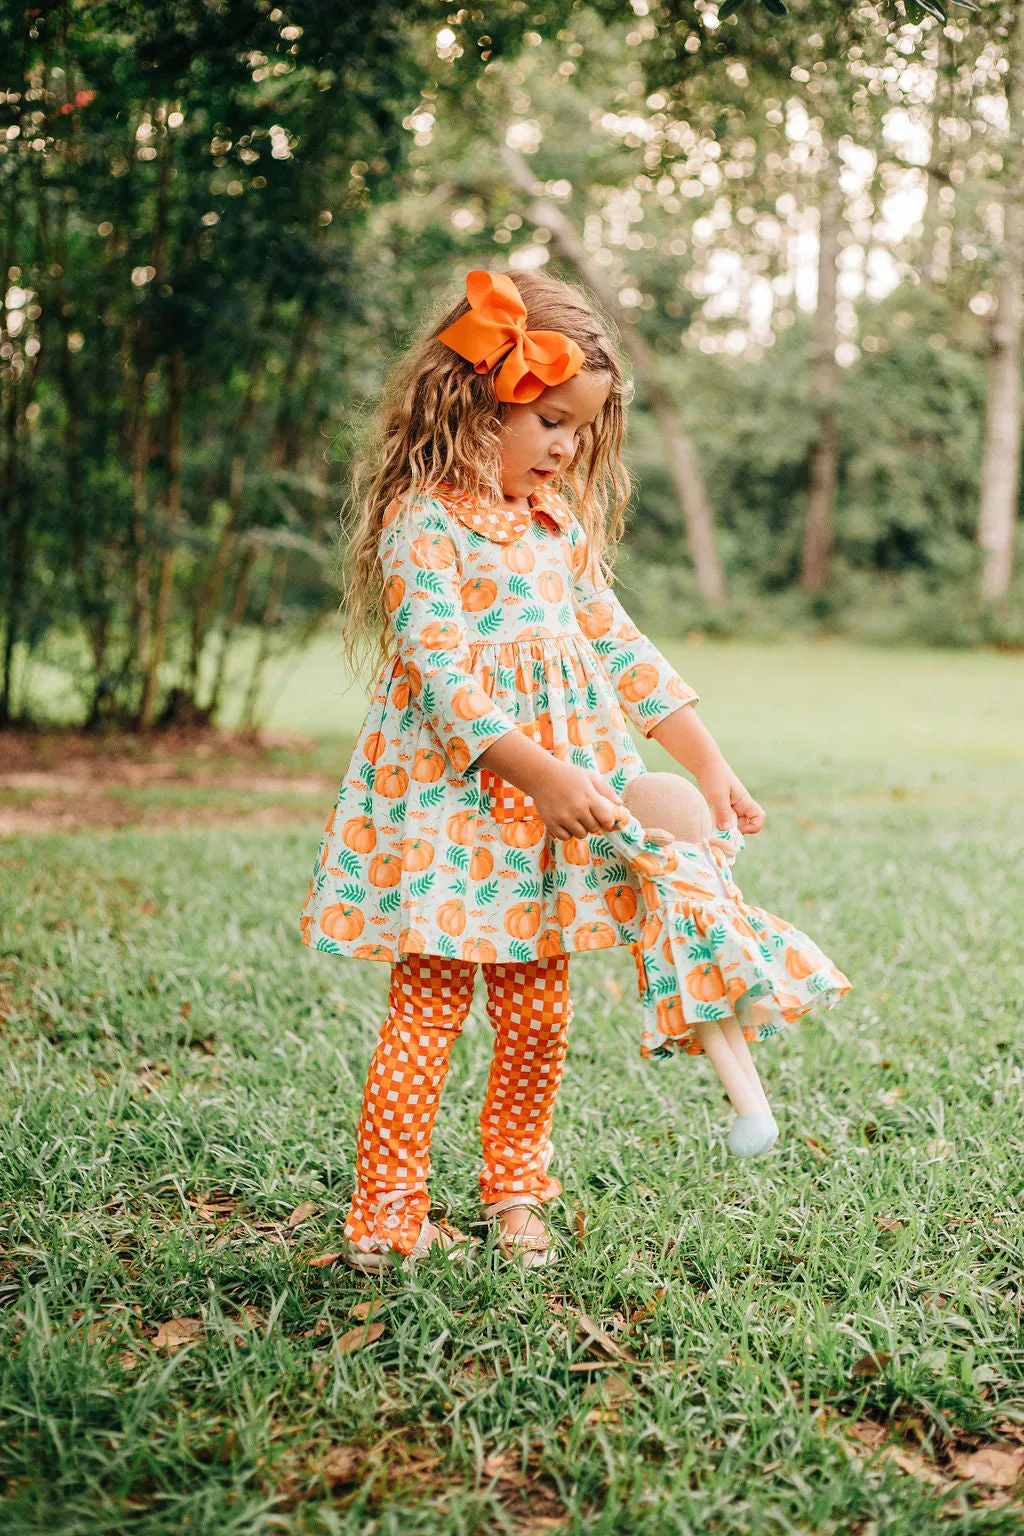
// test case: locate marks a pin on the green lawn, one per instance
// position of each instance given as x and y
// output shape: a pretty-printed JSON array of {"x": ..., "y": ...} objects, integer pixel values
[{"x": 826, "y": 1340}]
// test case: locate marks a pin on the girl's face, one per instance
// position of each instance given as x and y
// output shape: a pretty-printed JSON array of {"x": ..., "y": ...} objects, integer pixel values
[{"x": 538, "y": 440}]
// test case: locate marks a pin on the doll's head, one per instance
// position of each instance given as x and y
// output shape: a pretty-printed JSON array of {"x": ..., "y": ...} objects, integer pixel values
[{"x": 669, "y": 808}]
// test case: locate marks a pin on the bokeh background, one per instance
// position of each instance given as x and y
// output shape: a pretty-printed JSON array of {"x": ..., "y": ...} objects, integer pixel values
[{"x": 221, "y": 223}]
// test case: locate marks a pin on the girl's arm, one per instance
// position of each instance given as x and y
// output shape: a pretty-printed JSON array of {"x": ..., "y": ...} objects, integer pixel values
[{"x": 656, "y": 699}]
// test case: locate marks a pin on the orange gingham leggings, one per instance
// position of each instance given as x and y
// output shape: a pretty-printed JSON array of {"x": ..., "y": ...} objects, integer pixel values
[{"x": 529, "y": 1010}]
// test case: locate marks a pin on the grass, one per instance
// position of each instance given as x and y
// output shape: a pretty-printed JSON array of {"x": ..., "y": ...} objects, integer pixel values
[{"x": 818, "y": 1342}]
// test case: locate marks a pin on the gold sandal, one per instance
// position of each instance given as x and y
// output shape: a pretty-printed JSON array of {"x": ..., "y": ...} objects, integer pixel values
[
  {"x": 437, "y": 1234},
  {"x": 533, "y": 1250}
]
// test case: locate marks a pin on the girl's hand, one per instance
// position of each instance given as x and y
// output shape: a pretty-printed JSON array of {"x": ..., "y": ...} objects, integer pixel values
[
  {"x": 573, "y": 802},
  {"x": 731, "y": 802}
]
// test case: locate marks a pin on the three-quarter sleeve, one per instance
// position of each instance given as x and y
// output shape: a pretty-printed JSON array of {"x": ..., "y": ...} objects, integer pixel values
[
  {"x": 648, "y": 687},
  {"x": 419, "y": 555}
]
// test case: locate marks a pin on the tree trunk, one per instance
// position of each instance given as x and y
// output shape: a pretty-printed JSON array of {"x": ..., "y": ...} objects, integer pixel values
[
  {"x": 818, "y": 530},
  {"x": 698, "y": 517},
  {"x": 1000, "y": 468},
  {"x": 231, "y": 623},
  {"x": 278, "y": 571},
  {"x": 165, "y": 580}
]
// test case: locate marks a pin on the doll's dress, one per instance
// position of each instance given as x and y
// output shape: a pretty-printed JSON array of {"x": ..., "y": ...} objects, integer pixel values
[{"x": 705, "y": 954}]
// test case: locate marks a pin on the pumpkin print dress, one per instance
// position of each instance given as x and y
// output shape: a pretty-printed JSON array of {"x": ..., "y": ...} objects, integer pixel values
[{"x": 496, "y": 627}]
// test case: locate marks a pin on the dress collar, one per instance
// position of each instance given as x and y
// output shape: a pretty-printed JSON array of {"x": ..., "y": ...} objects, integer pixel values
[{"x": 503, "y": 525}]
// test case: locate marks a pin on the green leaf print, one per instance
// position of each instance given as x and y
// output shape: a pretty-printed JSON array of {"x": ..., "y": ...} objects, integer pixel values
[
  {"x": 390, "y": 901},
  {"x": 432, "y": 796},
  {"x": 368, "y": 773},
  {"x": 427, "y": 698},
  {"x": 445, "y": 946},
  {"x": 430, "y": 581},
  {"x": 649, "y": 707},
  {"x": 591, "y": 881},
  {"x": 534, "y": 614},
  {"x": 349, "y": 862},
  {"x": 474, "y": 539},
  {"x": 583, "y": 757},
  {"x": 591, "y": 697},
  {"x": 506, "y": 677},
  {"x": 520, "y": 951},
  {"x": 491, "y": 621},
  {"x": 711, "y": 1010},
  {"x": 402, "y": 618},
  {"x": 617, "y": 780},
  {"x": 548, "y": 881},
  {"x": 528, "y": 889},
  {"x": 328, "y": 946},
  {"x": 459, "y": 886},
  {"x": 519, "y": 586},
  {"x": 600, "y": 847},
  {"x": 716, "y": 935},
  {"x": 458, "y": 855},
  {"x": 422, "y": 884},
  {"x": 487, "y": 892},
  {"x": 516, "y": 859},
  {"x": 615, "y": 873},
  {"x": 443, "y": 609},
  {"x": 407, "y": 720},
  {"x": 700, "y": 953},
  {"x": 565, "y": 615},
  {"x": 605, "y": 648},
  {"x": 819, "y": 982},
  {"x": 352, "y": 892},
  {"x": 367, "y": 805},
  {"x": 663, "y": 986}
]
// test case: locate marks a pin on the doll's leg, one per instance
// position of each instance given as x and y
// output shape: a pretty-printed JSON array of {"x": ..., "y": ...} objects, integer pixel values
[
  {"x": 428, "y": 1003},
  {"x": 529, "y": 1008},
  {"x": 741, "y": 1050},
  {"x": 744, "y": 1096}
]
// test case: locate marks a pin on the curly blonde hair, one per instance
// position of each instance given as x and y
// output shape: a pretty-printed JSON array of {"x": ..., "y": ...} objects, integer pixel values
[{"x": 439, "y": 421}]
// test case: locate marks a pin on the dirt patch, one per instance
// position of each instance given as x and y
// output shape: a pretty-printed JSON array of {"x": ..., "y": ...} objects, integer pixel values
[{"x": 67, "y": 781}]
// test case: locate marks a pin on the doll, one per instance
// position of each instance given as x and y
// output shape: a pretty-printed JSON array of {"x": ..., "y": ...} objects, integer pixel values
[{"x": 714, "y": 972}]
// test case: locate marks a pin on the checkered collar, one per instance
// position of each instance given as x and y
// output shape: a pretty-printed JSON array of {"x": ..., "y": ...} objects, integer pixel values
[{"x": 503, "y": 525}]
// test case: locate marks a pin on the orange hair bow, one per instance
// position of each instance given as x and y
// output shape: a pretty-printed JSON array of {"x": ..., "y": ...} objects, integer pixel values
[{"x": 495, "y": 327}]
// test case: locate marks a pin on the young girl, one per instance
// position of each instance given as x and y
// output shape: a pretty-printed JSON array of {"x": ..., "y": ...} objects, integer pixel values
[{"x": 495, "y": 741}]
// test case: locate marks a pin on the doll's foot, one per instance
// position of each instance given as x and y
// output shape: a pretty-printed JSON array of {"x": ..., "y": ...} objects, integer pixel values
[{"x": 751, "y": 1135}]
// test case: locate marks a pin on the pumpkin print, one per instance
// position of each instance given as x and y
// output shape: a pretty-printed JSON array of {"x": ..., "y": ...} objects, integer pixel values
[
  {"x": 373, "y": 952},
  {"x": 385, "y": 869},
  {"x": 478, "y": 594},
  {"x": 798, "y": 966},
  {"x": 342, "y": 921},
  {"x": 432, "y": 552},
  {"x": 482, "y": 951},
  {"x": 451, "y": 916},
  {"x": 490, "y": 614},
  {"x": 441, "y": 636},
  {"x": 523, "y": 920},
  {"x": 481, "y": 864},
  {"x": 522, "y": 834},
  {"x": 470, "y": 703},
  {"x": 638, "y": 681},
  {"x": 329, "y": 828},
  {"x": 705, "y": 983},
  {"x": 459, "y": 754},
  {"x": 670, "y": 1015},
  {"x": 375, "y": 746},
  {"x": 391, "y": 781},
  {"x": 359, "y": 834},
  {"x": 551, "y": 586},
  {"x": 461, "y": 828},
  {"x": 604, "y": 756},
  {"x": 621, "y": 902},
  {"x": 518, "y": 557},
  {"x": 596, "y": 619},
  {"x": 417, "y": 854},
  {"x": 595, "y": 936},
  {"x": 428, "y": 765}
]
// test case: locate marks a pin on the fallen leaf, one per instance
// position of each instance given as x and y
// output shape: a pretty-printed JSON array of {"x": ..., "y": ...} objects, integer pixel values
[
  {"x": 580, "y": 1225},
  {"x": 355, "y": 1338},
  {"x": 302, "y": 1213},
  {"x": 186, "y": 1010},
  {"x": 593, "y": 1337},
  {"x": 914, "y": 1466},
  {"x": 127, "y": 1360},
  {"x": 888, "y": 1224},
  {"x": 341, "y": 1465},
  {"x": 892, "y": 1096},
  {"x": 868, "y": 1433},
  {"x": 494, "y": 1465},
  {"x": 178, "y": 1331},
  {"x": 322, "y": 1260},
  {"x": 365, "y": 1310},
  {"x": 820, "y": 1152},
  {"x": 999, "y": 1466},
  {"x": 871, "y": 1365},
  {"x": 870, "y": 1131},
  {"x": 594, "y": 1365}
]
